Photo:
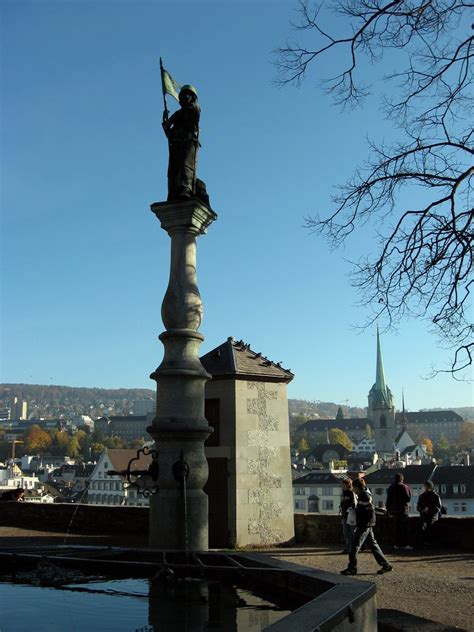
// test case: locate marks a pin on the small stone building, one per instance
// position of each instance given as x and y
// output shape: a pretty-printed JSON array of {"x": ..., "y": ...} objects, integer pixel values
[{"x": 250, "y": 485}]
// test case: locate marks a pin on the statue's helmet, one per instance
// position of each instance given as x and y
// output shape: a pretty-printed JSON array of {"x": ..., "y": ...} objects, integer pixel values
[{"x": 189, "y": 88}]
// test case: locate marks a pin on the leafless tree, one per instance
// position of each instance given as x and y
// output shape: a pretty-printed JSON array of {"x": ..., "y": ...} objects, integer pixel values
[{"x": 423, "y": 265}]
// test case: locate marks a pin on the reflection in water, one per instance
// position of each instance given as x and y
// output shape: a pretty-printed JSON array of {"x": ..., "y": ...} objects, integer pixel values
[
  {"x": 197, "y": 605},
  {"x": 125, "y": 605}
]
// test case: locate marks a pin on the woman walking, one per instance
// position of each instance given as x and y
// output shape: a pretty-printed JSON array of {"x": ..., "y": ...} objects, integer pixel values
[
  {"x": 347, "y": 510},
  {"x": 365, "y": 520}
]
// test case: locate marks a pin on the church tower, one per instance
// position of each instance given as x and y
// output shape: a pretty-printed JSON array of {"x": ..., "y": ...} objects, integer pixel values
[{"x": 381, "y": 408}]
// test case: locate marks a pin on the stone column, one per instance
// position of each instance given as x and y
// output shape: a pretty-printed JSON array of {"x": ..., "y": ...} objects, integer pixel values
[{"x": 179, "y": 512}]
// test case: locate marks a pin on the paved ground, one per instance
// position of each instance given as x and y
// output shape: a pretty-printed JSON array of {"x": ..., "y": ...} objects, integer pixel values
[{"x": 434, "y": 584}]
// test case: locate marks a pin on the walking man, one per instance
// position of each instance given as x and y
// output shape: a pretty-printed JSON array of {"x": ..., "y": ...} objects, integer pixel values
[
  {"x": 365, "y": 520},
  {"x": 398, "y": 498}
]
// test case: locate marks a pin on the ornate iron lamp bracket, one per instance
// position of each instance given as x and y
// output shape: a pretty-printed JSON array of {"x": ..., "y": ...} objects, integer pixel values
[{"x": 133, "y": 475}]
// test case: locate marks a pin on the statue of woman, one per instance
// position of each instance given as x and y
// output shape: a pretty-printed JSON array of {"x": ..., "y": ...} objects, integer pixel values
[{"x": 182, "y": 131}]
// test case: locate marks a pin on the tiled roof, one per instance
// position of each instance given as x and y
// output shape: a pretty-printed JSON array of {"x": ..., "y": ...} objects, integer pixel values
[
  {"x": 320, "y": 478},
  {"x": 412, "y": 474},
  {"x": 454, "y": 474},
  {"x": 124, "y": 418},
  {"x": 236, "y": 358},
  {"x": 318, "y": 425},
  {"x": 119, "y": 459},
  {"x": 408, "y": 449},
  {"x": 429, "y": 416},
  {"x": 319, "y": 450}
]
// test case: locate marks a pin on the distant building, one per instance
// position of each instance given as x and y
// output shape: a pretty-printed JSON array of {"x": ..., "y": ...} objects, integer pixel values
[
  {"x": 386, "y": 424},
  {"x": 144, "y": 406},
  {"x": 19, "y": 409},
  {"x": 326, "y": 452},
  {"x": 114, "y": 489},
  {"x": 455, "y": 485},
  {"x": 434, "y": 423},
  {"x": 127, "y": 427},
  {"x": 83, "y": 421},
  {"x": 364, "y": 446},
  {"x": 318, "y": 491}
]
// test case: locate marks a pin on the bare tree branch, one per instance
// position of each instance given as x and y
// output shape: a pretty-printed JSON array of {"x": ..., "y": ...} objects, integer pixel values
[{"x": 425, "y": 256}]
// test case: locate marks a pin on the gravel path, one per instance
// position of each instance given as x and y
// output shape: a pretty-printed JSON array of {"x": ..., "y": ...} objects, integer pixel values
[{"x": 437, "y": 585}]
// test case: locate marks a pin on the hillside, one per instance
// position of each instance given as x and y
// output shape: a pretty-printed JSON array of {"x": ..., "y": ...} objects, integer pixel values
[{"x": 63, "y": 401}]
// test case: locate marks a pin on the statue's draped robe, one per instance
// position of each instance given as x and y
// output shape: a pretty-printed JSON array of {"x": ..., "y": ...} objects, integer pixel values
[{"x": 183, "y": 144}]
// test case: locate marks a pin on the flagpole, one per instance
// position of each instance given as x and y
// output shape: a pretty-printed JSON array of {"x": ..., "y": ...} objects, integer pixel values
[{"x": 165, "y": 112}]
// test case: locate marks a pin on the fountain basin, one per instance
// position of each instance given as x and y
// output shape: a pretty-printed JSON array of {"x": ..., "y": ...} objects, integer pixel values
[{"x": 317, "y": 600}]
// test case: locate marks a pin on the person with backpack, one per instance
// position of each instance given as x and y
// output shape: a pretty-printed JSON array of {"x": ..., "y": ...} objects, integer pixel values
[
  {"x": 398, "y": 499},
  {"x": 365, "y": 520},
  {"x": 429, "y": 506}
]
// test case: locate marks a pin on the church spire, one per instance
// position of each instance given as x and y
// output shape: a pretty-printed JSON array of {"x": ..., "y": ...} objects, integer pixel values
[
  {"x": 404, "y": 418},
  {"x": 380, "y": 384}
]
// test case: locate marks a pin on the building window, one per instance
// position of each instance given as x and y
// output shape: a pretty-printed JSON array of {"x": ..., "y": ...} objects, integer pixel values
[
  {"x": 328, "y": 505},
  {"x": 383, "y": 421},
  {"x": 463, "y": 489},
  {"x": 456, "y": 507},
  {"x": 455, "y": 489},
  {"x": 212, "y": 414},
  {"x": 379, "y": 491},
  {"x": 464, "y": 507},
  {"x": 313, "y": 504},
  {"x": 300, "y": 491},
  {"x": 300, "y": 504},
  {"x": 328, "y": 491},
  {"x": 443, "y": 489}
]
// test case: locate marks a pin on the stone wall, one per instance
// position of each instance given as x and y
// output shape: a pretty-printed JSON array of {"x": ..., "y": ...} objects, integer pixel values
[
  {"x": 310, "y": 529},
  {"x": 87, "y": 519},
  {"x": 324, "y": 530}
]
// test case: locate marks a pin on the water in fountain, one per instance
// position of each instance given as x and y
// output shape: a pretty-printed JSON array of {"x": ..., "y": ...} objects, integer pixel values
[{"x": 66, "y": 535}]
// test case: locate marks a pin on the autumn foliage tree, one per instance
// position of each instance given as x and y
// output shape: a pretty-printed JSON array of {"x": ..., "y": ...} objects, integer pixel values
[
  {"x": 37, "y": 440},
  {"x": 417, "y": 189},
  {"x": 336, "y": 435},
  {"x": 426, "y": 441}
]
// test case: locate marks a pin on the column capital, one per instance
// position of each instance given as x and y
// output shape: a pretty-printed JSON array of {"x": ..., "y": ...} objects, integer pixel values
[{"x": 189, "y": 216}]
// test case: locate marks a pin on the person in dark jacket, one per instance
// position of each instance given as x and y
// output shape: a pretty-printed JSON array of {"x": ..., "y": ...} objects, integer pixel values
[
  {"x": 398, "y": 498},
  {"x": 429, "y": 506},
  {"x": 348, "y": 501},
  {"x": 365, "y": 517}
]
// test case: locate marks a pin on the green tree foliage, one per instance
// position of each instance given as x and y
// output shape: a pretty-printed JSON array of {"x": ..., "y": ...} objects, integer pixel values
[
  {"x": 442, "y": 449},
  {"x": 303, "y": 446},
  {"x": 466, "y": 436},
  {"x": 336, "y": 435}
]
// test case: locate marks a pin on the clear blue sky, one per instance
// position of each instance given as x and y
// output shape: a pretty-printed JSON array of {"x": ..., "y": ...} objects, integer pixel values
[{"x": 85, "y": 263}]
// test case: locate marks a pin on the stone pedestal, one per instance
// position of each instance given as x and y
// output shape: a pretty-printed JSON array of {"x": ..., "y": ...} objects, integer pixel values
[{"x": 179, "y": 512}]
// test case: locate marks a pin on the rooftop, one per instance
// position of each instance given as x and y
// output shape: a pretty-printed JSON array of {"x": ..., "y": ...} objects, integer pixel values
[{"x": 236, "y": 359}]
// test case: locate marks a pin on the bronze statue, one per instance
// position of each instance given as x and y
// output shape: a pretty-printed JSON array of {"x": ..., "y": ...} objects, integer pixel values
[{"x": 182, "y": 131}]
